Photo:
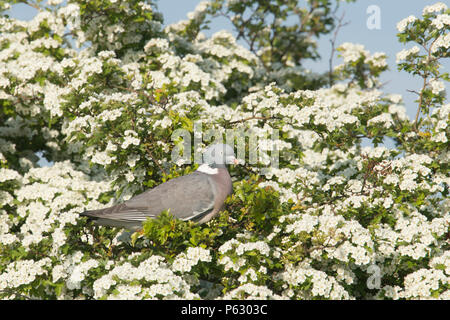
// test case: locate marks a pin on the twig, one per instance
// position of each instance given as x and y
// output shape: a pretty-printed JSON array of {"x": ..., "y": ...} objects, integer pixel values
[
  {"x": 413, "y": 91},
  {"x": 154, "y": 159},
  {"x": 19, "y": 295},
  {"x": 425, "y": 78},
  {"x": 252, "y": 118},
  {"x": 420, "y": 102},
  {"x": 383, "y": 84},
  {"x": 333, "y": 45},
  {"x": 32, "y": 5},
  {"x": 151, "y": 98},
  {"x": 324, "y": 246},
  {"x": 242, "y": 35}
]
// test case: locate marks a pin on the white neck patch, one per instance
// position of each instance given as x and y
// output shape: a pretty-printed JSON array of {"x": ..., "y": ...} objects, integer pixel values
[{"x": 205, "y": 168}]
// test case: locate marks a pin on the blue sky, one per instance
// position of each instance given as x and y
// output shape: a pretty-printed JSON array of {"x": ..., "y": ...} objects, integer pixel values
[{"x": 356, "y": 31}]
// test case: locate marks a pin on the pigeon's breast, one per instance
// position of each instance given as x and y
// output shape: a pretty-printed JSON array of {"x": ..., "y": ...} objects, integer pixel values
[{"x": 224, "y": 186}]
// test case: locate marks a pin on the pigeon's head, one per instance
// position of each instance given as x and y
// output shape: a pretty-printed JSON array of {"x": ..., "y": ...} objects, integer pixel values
[{"x": 219, "y": 155}]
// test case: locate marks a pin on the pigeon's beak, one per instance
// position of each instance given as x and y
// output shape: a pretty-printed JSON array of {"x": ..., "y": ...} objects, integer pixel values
[{"x": 232, "y": 160}]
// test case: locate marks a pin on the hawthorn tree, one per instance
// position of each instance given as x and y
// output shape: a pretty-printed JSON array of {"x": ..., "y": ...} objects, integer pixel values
[{"x": 98, "y": 88}]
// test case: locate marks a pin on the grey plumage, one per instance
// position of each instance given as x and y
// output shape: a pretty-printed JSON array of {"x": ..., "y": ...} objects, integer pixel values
[{"x": 198, "y": 196}]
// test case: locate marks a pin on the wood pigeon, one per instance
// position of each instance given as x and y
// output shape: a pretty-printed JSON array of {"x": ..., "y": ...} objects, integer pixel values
[{"x": 198, "y": 196}]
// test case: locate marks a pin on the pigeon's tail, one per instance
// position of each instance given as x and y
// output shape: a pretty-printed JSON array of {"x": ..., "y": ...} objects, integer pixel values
[
  {"x": 105, "y": 217},
  {"x": 93, "y": 214},
  {"x": 99, "y": 213}
]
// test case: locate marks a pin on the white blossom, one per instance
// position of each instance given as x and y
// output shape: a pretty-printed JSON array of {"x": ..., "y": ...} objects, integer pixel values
[{"x": 401, "y": 26}]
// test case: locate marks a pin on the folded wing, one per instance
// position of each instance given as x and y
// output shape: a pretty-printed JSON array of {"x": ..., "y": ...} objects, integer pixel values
[{"x": 188, "y": 197}]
